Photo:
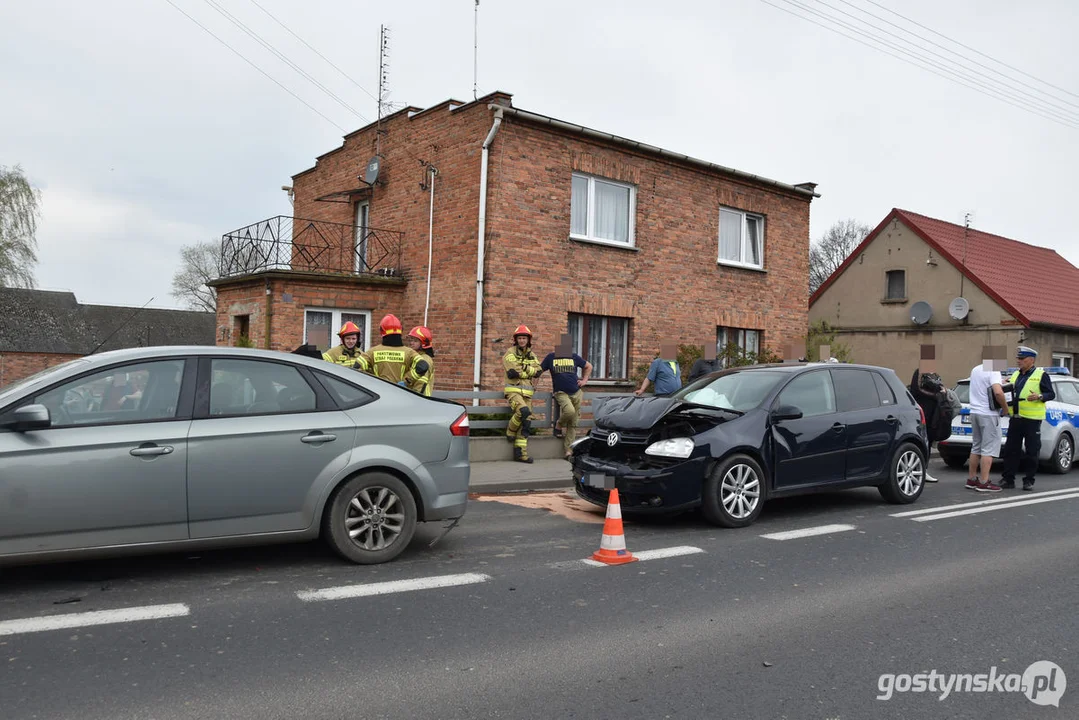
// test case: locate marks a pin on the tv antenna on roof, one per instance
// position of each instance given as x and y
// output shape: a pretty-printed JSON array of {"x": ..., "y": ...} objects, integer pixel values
[
  {"x": 475, "y": 50},
  {"x": 383, "y": 77}
]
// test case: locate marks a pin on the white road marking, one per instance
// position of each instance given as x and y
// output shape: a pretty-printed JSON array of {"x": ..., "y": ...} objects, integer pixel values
[
  {"x": 994, "y": 501},
  {"x": 656, "y": 554},
  {"x": 394, "y": 586},
  {"x": 98, "y": 617},
  {"x": 989, "y": 508},
  {"x": 808, "y": 532}
]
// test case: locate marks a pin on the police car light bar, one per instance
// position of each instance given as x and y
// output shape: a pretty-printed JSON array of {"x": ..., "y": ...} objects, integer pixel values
[{"x": 1053, "y": 370}]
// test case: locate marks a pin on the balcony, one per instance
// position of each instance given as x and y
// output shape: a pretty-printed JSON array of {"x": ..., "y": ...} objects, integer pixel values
[{"x": 312, "y": 246}]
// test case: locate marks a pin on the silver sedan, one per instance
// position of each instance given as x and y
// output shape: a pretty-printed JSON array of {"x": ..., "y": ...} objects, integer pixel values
[{"x": 182, "y": 447}]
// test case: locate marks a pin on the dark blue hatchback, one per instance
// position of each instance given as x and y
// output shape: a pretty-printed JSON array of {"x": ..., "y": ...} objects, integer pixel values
[{"x": 735, "y": 438}]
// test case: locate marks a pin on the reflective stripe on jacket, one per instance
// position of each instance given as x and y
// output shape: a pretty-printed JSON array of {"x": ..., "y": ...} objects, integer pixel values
[
  {"x": 527, "y": 366},
  {"x": 1033, "y": 384},
  {"x": 340, "y": 355}
]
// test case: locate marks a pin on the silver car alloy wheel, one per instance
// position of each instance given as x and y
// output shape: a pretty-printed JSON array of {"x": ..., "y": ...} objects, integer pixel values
[
  {"x": 375, "y": 518},
  {"x": 740, "y": 491},
  {"x": 1065, "y": 453},
  {"x": 909, "y": 472}
]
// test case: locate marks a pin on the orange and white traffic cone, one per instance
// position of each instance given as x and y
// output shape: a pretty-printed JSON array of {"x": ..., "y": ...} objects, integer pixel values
[{"x": 612, "y": 546}]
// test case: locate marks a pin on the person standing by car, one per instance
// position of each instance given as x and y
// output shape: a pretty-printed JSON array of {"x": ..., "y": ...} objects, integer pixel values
[
  {"x": 1031, "y": 388},
  {"x": 985, "y": 386},
  {"x": 348, "y": 353},
  {"x": 928, "y": 390},
  {"x": 420, "y": 339},
  {"x": 563, "y": 364},
  {"x": 522, "y": 366},
  {"x": 390, "y": 359},
  {"x": 664, "y": 372},
  {"x": 709, "y": 363}
]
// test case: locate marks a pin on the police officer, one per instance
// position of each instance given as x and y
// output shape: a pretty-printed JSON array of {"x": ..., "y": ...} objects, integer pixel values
[
  {"x": 420, "y": 339},
  {"x": 348, "y": 353},
  {"x": 390, "y": 359},
  {"x": 1031, "y": 388},
  {"x": 521, "y": 366}
]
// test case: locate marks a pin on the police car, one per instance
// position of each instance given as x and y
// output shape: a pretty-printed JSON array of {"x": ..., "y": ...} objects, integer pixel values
[{"x": 1060, "y": 429}]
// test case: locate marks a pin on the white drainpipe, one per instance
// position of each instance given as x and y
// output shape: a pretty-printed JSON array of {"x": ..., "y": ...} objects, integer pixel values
[
  {"x": 430, "y": 247},
  {"x": 480, "y": 254}
]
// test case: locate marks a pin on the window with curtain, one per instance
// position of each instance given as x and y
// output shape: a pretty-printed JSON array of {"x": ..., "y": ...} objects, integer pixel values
[
  {"x": 895, "y": 285},
  {"x": 601, "y": 341},
  {"x": 746, "y": 341},
  {"x": 741, "y": 238},
  {"x": 320, "y": 326},
  {"x": 602, "y": 210}
]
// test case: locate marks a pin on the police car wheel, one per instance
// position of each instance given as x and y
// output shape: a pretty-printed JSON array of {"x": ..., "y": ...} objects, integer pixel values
[
  {"x": 1063, "y": 454},
  {"x": 370, "y": 519},
  {"x": 955, "y": 461}
]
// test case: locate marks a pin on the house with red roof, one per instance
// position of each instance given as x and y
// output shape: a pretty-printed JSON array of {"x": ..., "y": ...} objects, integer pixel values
[{"x": 916, "y": 280}]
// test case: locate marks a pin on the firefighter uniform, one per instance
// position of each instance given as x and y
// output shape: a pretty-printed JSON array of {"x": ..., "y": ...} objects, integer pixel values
[
  {"x": 424, "y": 383},
  {"x": 343, "y": 354},
  {"x": 390, "y": 359},
  {"x": 522, "y": 367}
]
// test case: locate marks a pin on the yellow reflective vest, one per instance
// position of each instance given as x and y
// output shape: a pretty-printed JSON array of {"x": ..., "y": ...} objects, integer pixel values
[
  {"x": 528, "y": 368},
  {"x": 393, "y": 364},
  {"x": 341, "y": 355},
  {"x": 1033, "y": 384},
  {"x": 423, "y": 384}
]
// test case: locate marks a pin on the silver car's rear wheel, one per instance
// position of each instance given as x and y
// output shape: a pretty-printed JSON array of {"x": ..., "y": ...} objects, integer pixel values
[{"x": 371, "y": 518}]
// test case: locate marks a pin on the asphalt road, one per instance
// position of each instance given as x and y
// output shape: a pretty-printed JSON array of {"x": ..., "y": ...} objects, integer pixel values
[{"x": 738, "y": 625}]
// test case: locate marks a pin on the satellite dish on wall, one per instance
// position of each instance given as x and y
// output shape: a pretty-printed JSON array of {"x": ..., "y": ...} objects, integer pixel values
[
  {"x": 959, "y": 308},
  {"x": 920, "y": 312},
  {"x": 370, "y": 175}
]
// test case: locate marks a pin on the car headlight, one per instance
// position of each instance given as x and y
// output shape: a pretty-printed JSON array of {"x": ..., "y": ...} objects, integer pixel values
[{"x": 672, "y": 447}]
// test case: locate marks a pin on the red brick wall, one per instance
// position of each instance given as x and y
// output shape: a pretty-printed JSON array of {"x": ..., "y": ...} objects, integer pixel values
[
  {"x": 671, "y": 286},
  {"x": 16, "y": 366},
  {"x": 534, "y": 273}
]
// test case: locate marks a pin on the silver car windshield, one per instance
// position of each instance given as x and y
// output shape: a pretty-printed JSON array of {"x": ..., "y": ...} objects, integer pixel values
[
  {"x": 737, "y": 390},
  {"x": 12, "y": 388}
]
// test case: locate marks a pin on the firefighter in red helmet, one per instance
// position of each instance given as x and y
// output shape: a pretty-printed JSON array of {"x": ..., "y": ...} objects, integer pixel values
[
  {"x": 522, "y": 367},
  {"x": 420, "y": 339},
  {"x": 348, "y": 353},
  {"x": 390, "y": 359}
]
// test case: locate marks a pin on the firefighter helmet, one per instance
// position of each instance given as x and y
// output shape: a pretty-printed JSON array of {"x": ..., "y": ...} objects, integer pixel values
[
  {"x": 522, "y": 330},
  {"x": 348, "y": 328},
  {"x": 390, "y": 325},
  {"x": 422, "y": 334}
]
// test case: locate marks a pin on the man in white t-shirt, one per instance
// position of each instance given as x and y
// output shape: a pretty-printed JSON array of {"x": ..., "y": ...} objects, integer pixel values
[{"x": 986, "y": 404}]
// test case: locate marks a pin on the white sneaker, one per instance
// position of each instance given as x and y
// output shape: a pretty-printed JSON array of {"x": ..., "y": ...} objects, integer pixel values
[{"x": 930, "y": 478}]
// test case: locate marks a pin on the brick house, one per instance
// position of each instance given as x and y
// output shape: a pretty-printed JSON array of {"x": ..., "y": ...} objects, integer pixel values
[
  {"x": 42, "y": 328},
  {"x": 910, "y": 258},
  {"x": 621, "y": 243}
]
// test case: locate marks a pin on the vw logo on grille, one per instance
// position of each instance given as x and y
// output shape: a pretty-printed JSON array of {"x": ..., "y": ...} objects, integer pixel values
[{"x": 612, "y": 439}]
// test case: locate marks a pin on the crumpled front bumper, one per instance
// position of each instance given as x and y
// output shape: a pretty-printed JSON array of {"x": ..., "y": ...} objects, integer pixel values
[{"x": 672, "y": 487}]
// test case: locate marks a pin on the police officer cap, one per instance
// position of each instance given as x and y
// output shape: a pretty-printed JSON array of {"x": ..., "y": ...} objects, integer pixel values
[{"x": 1025, "y": 352}]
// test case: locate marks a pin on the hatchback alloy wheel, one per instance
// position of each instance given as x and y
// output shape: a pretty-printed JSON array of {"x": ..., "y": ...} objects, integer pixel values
[
  {"x": 906, "y": 475},
  {"x": 910, "y": 472},
  {"x": 740, "y": 491}
]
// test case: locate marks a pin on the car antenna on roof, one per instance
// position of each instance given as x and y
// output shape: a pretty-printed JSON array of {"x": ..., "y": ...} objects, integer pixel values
[{"x": 120, "y": 327}]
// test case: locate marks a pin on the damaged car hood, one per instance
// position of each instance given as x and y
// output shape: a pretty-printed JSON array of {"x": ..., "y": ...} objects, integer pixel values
[{"x": 642, "y": 413}]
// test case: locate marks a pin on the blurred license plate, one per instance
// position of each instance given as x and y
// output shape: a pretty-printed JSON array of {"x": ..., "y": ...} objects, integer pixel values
[{"x": 965, "y": 419}]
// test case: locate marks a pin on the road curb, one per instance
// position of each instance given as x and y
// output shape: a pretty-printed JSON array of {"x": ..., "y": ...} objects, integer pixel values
[{"x": 495, "y": 488}]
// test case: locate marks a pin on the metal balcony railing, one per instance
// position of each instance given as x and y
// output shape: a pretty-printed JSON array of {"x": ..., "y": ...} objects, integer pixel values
[{"x": 287, "y": 243}]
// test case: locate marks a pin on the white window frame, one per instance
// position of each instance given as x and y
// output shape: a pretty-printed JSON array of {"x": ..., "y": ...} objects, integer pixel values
[
  {"x": 589, "y": 235},
  {"x": 361, "y": 219},
  {"x": 336, "y": 323},
  {"x": 599, "y": 365},
  {"x": 741, "y": 337},
  {"x": 1059, "y": 360},
  {"x": 741, "y": 262}
]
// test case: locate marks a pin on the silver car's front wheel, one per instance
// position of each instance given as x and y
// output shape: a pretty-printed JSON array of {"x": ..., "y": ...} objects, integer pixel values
[{"x": 371, "y": 518}]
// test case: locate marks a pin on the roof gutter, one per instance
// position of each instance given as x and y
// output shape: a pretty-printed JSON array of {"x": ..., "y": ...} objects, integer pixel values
[
  {"x": 481, "y": 249},
  {"x": 652, "y": 149}
]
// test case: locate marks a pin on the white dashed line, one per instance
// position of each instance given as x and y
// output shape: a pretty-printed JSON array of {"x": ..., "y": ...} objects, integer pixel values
[
  {"x": 994, "y": 501},
  {"x": 1006, "y": 506},
  {"x": 808, "y": 532},
  {"x": 656, "y": 554},
  {"x": 394, "y": 586},
  {"x": 98, "y": 617}
]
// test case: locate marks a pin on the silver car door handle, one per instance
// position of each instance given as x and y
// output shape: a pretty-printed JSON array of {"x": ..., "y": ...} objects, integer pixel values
[
  {"x": 317, "y": 438},
  {"x": 148, "y": 450}
]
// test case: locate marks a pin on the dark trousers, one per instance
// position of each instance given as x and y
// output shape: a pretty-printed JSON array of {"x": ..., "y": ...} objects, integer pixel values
[{"x": 1022, "y": 447}]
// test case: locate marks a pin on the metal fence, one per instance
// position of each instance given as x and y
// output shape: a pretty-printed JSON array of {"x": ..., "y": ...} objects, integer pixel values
[
  {"x": 544, "y": 408},
  {"x": 287, "y": 243}
]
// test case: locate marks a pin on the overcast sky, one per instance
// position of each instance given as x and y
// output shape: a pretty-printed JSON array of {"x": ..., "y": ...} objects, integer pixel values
[{"x": 145, "y": 133}]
